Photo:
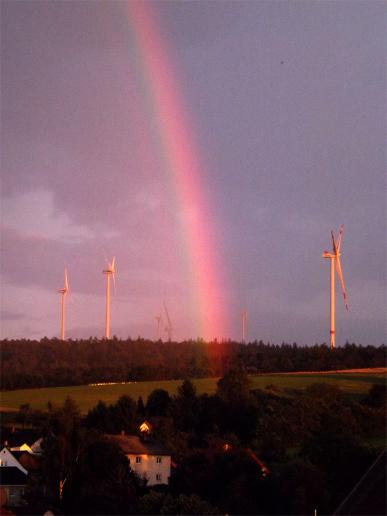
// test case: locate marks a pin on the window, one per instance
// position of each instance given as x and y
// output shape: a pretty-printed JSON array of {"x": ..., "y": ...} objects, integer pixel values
[
  {"x": 138, "y": 460},
  {"x": 158, "y": 460},
  {"x": 158, "y": 477}
]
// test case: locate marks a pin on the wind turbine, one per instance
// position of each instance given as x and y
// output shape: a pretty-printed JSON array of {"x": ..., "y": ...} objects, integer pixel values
[
  {"x": 158, "y": 319},
  {"x": 168, "y": 327},
  {"x": 334, "y": 257},
  {"x": 63, "y": 291},
  {"x": 244, "y": 324},
  {"x": 110, "y": 271}
]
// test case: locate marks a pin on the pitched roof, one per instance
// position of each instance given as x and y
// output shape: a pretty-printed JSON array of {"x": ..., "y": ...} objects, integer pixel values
[
  {"x": 10, "y": 459},
  {"x": 30, "y": 461},
  {"x": 22, "y": 448},
  {"x": 11, "y": 476},
  {"x": 132, "y": 444}
]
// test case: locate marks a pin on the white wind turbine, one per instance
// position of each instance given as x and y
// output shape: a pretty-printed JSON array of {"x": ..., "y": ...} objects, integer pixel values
[
  {"x": 168, "y": 328},
  {"x": 63, "y": 291},
  {"x": 244, "y": 324},
  {"x": 334, "y": 257},
  {"x": 110, "y": 271},
  {"x": 158, "y": 320}
]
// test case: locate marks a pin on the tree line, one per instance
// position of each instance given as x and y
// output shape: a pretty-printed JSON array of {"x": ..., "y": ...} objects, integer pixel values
[
  {"x": 51, "y": 362},
  {"x": 314, "y": 443}
]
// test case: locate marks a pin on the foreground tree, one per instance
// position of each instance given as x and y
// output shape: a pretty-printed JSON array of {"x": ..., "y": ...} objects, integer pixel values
[
  {"x": 377, "y": 396},
  {"x": 234, "y": 387},
  {"x": 158, "y": 403},
  {"x": 163, "y": 503},
  {"x": 185, "y": 407},
  {"x": 336, "y": 451},
  {"x": 102, "y": 482}
]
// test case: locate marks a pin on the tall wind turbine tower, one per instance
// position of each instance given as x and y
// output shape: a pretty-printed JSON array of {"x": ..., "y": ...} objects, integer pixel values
[
  {"x": 244, "y": 325},
  {"x": 63, "y": 291},
  {"x": 168, "y": 327},
  {"x": 158, "y": 322},
  {"x": 334, "y": 258},
  {"x": 110, "y": 271}
]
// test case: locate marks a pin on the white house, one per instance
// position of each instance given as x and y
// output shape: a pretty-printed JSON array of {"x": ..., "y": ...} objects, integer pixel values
[
  {"x": 22, "y": 447},
  {"x": 7, "y": 460},
  {"x": 35, "y": 448},
  {"x": 148, "y": 459},
  {"x": 13, "y": 478}
]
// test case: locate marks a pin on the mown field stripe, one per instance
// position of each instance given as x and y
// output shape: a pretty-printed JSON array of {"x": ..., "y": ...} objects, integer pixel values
[{"x": 86, "y": 396}]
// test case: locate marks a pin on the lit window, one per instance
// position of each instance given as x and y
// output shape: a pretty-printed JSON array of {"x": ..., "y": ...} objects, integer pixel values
[
  {"x": 158, "y": 460},
  {"x": 138, "y": 460},
  {"x": 158, "y": 477}
]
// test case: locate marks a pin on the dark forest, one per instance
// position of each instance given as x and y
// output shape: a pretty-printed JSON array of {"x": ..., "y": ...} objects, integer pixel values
[{"x": 52, "y": 363}]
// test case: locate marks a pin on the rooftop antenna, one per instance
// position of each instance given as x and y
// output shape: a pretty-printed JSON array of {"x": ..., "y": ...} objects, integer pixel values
[
  {"x": 63, "y": 291},
  {"x": 110, "y": 271},
  {"x": 244, "y": 325},
  {"x": 334, "y": 257},
  {"x": 168, "y": 327}
]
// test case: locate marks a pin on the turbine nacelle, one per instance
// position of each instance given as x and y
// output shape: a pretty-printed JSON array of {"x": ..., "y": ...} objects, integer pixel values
[
  {"x": 65, "y": 289},
  {"x": 111, "y": 267}
]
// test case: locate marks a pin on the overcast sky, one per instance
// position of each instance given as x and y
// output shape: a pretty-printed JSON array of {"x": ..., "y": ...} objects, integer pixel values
[{"x": 285, "y": 106}]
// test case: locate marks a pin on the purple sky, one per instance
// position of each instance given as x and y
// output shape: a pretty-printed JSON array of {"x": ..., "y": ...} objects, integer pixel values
[{"x": 287, "y": 102}]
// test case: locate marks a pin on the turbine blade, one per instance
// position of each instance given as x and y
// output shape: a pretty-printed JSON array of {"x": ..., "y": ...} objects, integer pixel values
[
  {"x": 112, "y": 266},
  {"x": 334, "y": 244},
  {"x": 66, "y": 281},
  {"x": 341, "y": 278},
  {"x": 169, "y": 324},
  {"x": 341, "y": 231},
  {"x": 114, "y": 281}
]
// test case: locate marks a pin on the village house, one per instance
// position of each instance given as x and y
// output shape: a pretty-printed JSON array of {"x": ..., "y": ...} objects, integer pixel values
[
  {"x": 16, "y": 464},
  {"x": 13, "y": 478},
  {"x": 148, "y": 459}
]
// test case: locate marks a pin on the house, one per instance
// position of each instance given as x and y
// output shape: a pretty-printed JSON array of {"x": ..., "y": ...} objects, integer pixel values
[
  {"x": 13, "y": 478},
  {"x": 215, "y": 445},
  {"x": 29, "y": 461},
  {"x": 145, "y": 428},
  {"x": 148, "y": 459},
  {"x": 35, "y": 447},
  {"x": 23, "y": 447},
  {"x": 8, "y": 460}
]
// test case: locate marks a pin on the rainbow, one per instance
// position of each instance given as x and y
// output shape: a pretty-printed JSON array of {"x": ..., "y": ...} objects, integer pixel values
[{"x": 183, "y": 170}]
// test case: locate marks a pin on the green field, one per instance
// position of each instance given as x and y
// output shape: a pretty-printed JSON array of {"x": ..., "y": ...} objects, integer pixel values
[{"x": 87, "y": 396}]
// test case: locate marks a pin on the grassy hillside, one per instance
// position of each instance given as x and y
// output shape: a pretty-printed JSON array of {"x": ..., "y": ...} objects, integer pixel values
[{"x": 355, "y": 384}]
